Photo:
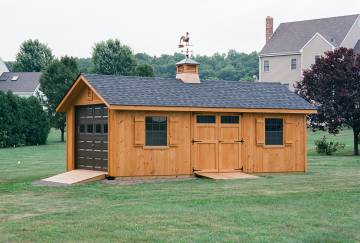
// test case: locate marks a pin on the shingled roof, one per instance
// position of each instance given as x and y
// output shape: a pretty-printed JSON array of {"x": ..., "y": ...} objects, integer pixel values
[
  {"x": 291, "y": 37},
  {"x": 149, "y": 91},
  {"x": 26, "y": 82}
]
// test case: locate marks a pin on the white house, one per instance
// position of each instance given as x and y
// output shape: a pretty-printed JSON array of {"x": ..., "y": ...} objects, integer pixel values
[
  {"x": 3, "y": 67},
  {"x": 295, "y": 46},
  {"x": 24, "y": 84}
]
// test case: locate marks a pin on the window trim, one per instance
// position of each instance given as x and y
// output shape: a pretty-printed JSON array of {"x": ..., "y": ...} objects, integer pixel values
[
  {"x": 283, "y": 134},
  {"x": 268, "y": 66},
  {"x": 145, "y": 146},
  {"x": 291, "y": 64}
]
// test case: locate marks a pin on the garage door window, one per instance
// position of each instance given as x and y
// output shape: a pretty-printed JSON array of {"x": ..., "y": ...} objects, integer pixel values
[
  {"x": 156, "y": 130},
  {"x": 273, "y": 131},
  {"x": 205, "y": 119}
]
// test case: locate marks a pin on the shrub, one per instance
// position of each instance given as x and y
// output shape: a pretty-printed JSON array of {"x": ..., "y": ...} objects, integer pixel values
[
  {"x": 22, "y": 121},
  {"x": 327, "y": 147}
]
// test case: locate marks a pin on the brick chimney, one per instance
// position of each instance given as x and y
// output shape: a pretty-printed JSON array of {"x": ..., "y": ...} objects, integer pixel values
[{"x": 269, "y": 28}]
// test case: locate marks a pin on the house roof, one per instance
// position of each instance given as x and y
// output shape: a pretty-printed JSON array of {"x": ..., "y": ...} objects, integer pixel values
[
  {"x": 26, "y": 81},
  {"x": 291, "y": 37},
  {"x": 150, "y": 91}
]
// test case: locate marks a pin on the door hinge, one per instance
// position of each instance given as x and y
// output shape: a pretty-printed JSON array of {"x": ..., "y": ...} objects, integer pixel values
[
  {"x": 196, "y": 170},
  {"x": 196, "y": 141},
  {"x": 240, "y": 141}
]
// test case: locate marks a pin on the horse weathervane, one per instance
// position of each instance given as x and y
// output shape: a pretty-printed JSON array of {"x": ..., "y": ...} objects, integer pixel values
[{"x": 184, "y": 43}]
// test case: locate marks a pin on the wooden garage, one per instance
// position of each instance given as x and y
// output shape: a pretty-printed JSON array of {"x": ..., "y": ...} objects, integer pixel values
[{"x": 142, "y": 126}]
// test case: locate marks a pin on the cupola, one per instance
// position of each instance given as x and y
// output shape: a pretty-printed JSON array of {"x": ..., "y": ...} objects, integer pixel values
[{"x": 187, "y": 70}]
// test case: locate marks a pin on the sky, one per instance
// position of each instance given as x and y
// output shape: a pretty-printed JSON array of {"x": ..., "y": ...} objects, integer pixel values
[{"x": 71, "y": 27}]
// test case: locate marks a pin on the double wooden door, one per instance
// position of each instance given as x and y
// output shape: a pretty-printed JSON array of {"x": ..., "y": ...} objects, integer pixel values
[{"x": 216, "y": 142}]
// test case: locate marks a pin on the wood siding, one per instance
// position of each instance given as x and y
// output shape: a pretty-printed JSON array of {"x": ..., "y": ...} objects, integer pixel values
[{"x": 129, "y": 156}]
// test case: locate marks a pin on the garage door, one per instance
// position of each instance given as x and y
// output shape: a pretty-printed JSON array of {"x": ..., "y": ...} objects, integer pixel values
[
  {"x": 91, "y": 147},
  {"x": 217, "y": 142}
]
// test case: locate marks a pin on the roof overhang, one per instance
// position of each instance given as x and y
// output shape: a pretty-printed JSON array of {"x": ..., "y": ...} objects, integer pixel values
[
  {"x": 73, "y": 90},
  {"x": 209, "y": 109},
  {"x": 279, "y": 54}
]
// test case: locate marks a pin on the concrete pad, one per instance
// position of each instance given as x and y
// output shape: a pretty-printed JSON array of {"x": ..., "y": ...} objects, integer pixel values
[{"x": 77, "y": 176}]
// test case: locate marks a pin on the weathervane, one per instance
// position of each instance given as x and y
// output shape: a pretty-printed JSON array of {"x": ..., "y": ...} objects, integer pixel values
[{"x": 184, "y": 43}]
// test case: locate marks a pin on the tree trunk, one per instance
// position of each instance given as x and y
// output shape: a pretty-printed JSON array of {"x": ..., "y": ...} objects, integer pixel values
[
  {"x": 356, "y": 142},
  {"x": 62, "y": 130}
]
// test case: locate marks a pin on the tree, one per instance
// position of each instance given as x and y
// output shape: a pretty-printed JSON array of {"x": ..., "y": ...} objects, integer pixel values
[
  {"x": 111, "y": 57},
  {"x": 144, "y": 70},
  {"x": 333, "y": 84},
  {"x": 33, "y": 56},
  {"x": 54, "y": 83}
]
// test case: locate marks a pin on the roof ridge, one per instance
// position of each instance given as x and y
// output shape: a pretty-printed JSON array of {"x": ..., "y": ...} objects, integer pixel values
[{"x": 326, "y": 18}]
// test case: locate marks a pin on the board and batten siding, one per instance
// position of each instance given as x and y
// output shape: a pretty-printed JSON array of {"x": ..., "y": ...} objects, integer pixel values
[
  {"x": 128, "y": 155},
  {"x": 280, "y": 69}
]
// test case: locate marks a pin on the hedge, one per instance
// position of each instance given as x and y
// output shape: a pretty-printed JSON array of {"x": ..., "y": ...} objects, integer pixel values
[{"x": 22, "y": 121}]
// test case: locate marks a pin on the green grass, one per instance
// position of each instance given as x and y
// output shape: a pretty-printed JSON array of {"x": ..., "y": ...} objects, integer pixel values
[{"x": 322, "y": 205}]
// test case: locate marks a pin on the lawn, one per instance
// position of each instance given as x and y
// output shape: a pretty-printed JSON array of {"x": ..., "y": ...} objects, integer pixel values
[{"x": 322, "y": 205}]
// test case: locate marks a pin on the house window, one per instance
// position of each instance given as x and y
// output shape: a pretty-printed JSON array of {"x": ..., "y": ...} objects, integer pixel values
[
  {"x": 82, "y": 128},
  {"x": 156, "y": 131},
  {"x": 205, "y": 119},
  {"x": 293, "y": 63},
  {"x": 89, "y": 128},
  {"x": 317, "y": 58},
  {"x": 273, "y": 131},
  {"x": 98, "y": 128},
  {"x": 266, "y": 66},
  {"x": 230, "y": 119},
  {"x": 105, "y": 128}
]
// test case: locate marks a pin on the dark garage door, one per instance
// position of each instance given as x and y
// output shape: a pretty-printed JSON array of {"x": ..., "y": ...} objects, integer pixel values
[{"x": 91, "y": 148}]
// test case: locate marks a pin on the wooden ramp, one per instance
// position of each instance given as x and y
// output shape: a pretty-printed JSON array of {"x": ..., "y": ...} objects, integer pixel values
[
  {"x": 225, "y": 175},
  {"x": 77, "y": 176}
]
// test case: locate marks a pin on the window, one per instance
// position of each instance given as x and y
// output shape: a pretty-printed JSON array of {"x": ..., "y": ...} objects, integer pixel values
[
  {"x": 205, "y": 119},
  {"x": 273, "y": 131},
  {"x": 230, "y": 119},
  {"x": 89, "y": 128},
  {"x": 156, "y": 131},
  {"x": 293, "y": 63},
  {"x": 98, "y": 128},
  {"x": 105, "y": 128},
  {"x": 82, "y": 128},
  {"x": 266, "y": 66},
  {"x": 317, "y": 58}
]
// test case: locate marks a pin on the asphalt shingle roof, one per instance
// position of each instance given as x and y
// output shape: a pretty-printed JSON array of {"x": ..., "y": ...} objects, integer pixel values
[
  {"x": 26, "y": 82},
  {"x": 357, "y": 47},
  {"x": 148, "y": 91},
  {"x": 292, "y": 36}
]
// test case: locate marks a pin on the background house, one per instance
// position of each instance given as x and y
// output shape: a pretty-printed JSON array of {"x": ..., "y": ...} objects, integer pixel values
[
  {"x": 24, "y": 84},
  {"x": 295, "y": 46},
  {"x": 3, "y": 67}
]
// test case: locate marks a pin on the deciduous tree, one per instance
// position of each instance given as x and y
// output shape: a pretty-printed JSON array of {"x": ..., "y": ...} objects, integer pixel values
[
  {"x": 54, "y": 83},
  {"x": 333, "y": 85},
  {"x": 33, "y": 56},
  {"x": 111, "y": 57}
]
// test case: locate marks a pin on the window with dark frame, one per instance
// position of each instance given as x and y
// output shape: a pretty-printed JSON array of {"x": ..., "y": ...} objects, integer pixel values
[
  {"x": 266, "y": 66},
  {"x": 273, "y": 131},
  {"x": 89, "y": 128},
  {"x": 317, "y": 58},
  {"x": 82, "y": 128},
  {"x": 156, "y": 131},
  {"x": 293, "y": 64},
  {"x": 205, "y": 119},
  {"x": 230, "y": 119},
  {"x": 105, "y": 129},
  {"x": 97, "y": 128}
]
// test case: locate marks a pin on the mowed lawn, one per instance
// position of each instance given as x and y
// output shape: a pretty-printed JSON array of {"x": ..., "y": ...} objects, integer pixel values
[{"x": 322, "y": 205}]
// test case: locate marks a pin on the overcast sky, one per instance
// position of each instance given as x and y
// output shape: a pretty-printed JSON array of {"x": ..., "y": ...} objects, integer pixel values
[{"x": 71, "y": 27}]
